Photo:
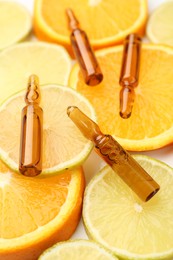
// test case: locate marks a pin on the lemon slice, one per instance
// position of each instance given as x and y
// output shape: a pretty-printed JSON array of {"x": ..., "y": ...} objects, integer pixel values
[
  {"x": 15, "y": 23},
  {"x": 116, "y": 218},
  {"x": 160, "y": 24},
  {"x": 77, "y": 250},
  {"x": 50, "y": 62},
  {"x": 63, "y": 144}
]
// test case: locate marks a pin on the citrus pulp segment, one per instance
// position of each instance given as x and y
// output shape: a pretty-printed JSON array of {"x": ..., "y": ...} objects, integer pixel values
[
  {"x": 77, "y": 250},
  {"x": 105, "y": 23},
  {"x": 37, "y": 212},
  {"x": 150, "y": 125},
  {"x": 63, "y": 144},
  {"x": 15, "y": 23},
  {"x": 116, "y": 218},
  {"x": 50, "y": 62}
]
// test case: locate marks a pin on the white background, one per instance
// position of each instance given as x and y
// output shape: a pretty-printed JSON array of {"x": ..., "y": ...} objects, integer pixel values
[{"x": 93, "y": 163}]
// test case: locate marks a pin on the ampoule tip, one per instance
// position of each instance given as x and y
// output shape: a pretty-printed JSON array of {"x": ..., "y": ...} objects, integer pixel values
[
  {"x": 33, "y": 80},
  {"x": 70, "y": 109},
  {"x": 73, "y": 22},
  {"x": 33, "y": 92},
  {"x": 69, "y": 11}
]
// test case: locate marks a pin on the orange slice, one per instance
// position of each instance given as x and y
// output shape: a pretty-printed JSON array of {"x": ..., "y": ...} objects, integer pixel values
[
  {"x": 37, "y": 212},
  {"x": 150, "y": 125},
  {"x": 105, "y": 23}
]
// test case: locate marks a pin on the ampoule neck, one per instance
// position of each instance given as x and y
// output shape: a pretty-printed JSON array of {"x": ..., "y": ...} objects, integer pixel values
[
  {"x": 133, "y": 38},
  {"x": 101, "y": 139},
  {"x": 72, "y": 20},
  {"x": 33, "y": 94}
]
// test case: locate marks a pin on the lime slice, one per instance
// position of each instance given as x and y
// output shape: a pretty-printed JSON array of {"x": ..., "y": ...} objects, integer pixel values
[
  {"x": 63, "y": 144},
  {"x": 77, "y": 250},
  {"x": 116, "y": 218},
  {"x": 50, "y": 62},
  {"x": 15, "y": 23},
  {"x": 160, "y": 24}
]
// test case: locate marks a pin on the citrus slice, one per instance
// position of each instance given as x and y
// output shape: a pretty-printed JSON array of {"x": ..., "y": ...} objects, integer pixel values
[
  {"x": 105, "y": 23},
  {"x": 160, "y": 24},
  {"x": 116, "y": 218},
  {"x": 49, "y": 61},
  {"x": 77, "y": 250},
  {"x": 15, "y": 23},
  {"x": 150, "y": 125},
  {"x": 37, "y": 212},
  {"x": 63, "y": 144}
]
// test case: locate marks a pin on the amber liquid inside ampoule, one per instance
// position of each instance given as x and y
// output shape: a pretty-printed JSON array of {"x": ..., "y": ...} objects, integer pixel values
[
  {"x": 129, "y": 75},
  {"x": 31, "y": 132},
  {"x": 83, "y": 52},
  {"x": 119, "y": 159},
  {"x": 126, "y": 167}
]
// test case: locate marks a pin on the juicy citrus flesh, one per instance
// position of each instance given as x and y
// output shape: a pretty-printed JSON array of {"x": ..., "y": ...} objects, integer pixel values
[
  {"x": 159, "y": 27},
  {"x": 63, "y": 144},
  {"x": 50, "y": 62},
  {"x": 15, "y": 23},
  {"x": 114, "y": 19},
  {"x": 150, "y": 125},
  {"x": 115, "y": 217},
  {"x": 37, "y": 212},
  {"x": 77, "y": 250}
]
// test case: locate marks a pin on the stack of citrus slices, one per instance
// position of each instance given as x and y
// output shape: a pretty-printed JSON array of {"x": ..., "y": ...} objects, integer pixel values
[{"x": 38, "y": 212}]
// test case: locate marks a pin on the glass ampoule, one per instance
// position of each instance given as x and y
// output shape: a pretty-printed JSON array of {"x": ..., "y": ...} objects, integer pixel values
[
  {"x": 129, "y": 75},
  {"x": 118, "y": 158},
  {"x": 30, "y": 162},
  {"x": 83, "y": 52}
]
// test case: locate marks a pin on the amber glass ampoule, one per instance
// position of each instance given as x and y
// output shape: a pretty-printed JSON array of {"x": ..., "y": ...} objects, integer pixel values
[
  {"x": 129, "y": 75},
  {"x": 30, "y": 162},
  {"x": 83, "y": 52},
  {"x": 119, "y": 159}
]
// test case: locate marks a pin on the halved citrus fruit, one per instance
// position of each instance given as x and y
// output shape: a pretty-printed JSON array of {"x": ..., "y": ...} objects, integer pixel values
[
  {"x": 105, "y": 23},
  {"x": 160, "y": 24},
  {"x": 37, "y": 212},
  {"x": 77, "y": 250},
  {"x": 49, "y": 61},
  {"x": 116, "y": 218},
  {"x": 15, "y": 23},
  {"x": 63, "y": 144},
  {"x": 150, "y": 125}
]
